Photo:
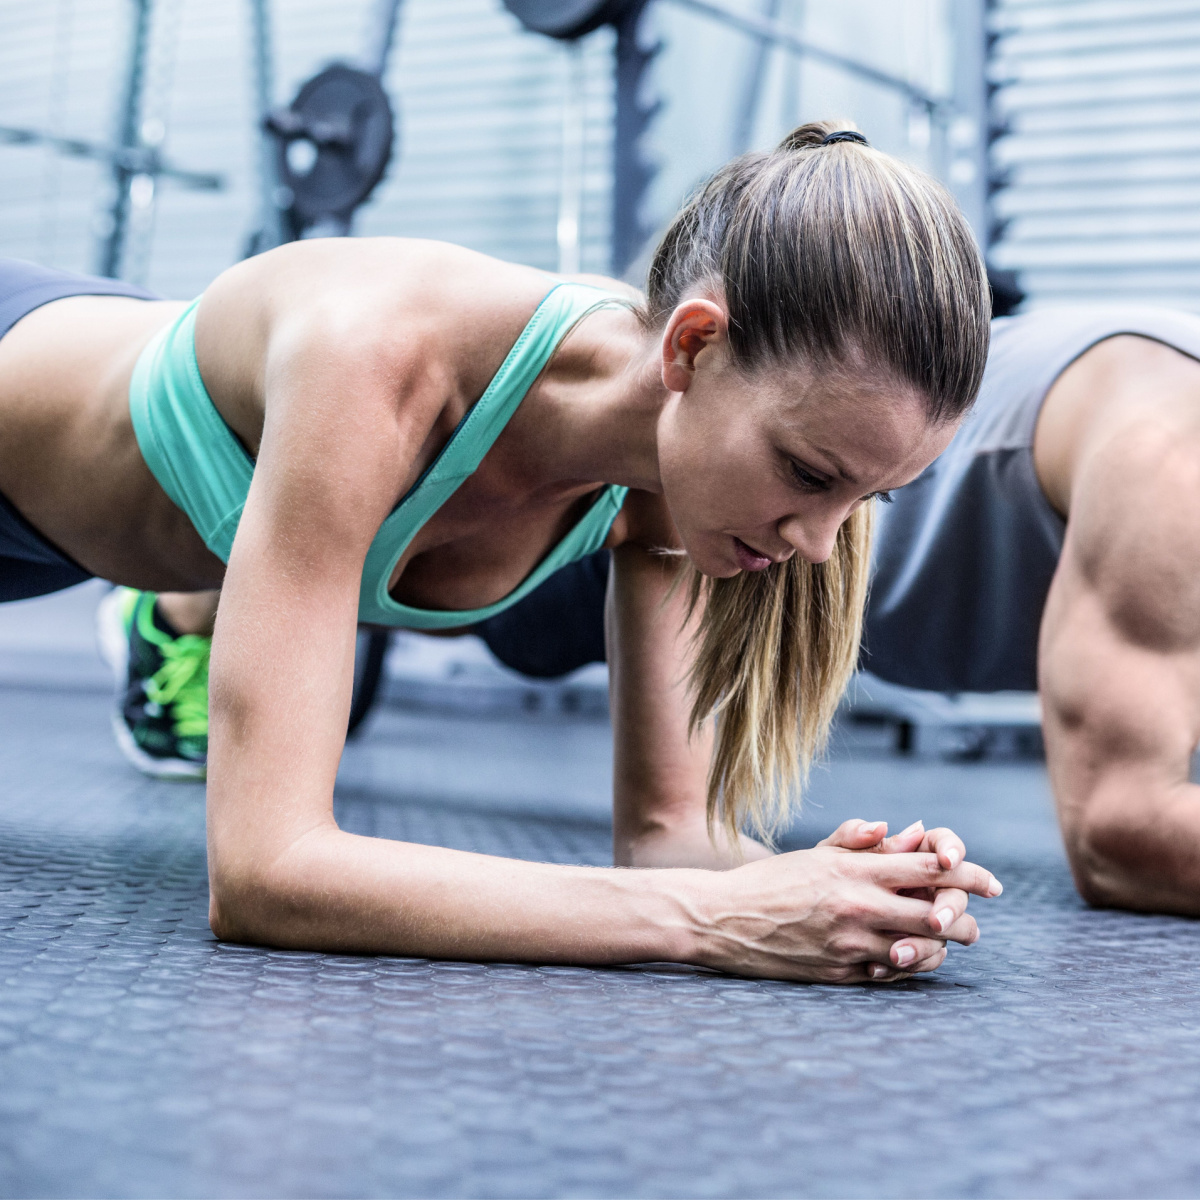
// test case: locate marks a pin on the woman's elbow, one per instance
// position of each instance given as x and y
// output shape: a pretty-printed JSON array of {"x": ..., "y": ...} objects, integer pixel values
[
  {"x": 222, "y": 916},
  {"x": 266, "y": 880},
  {"x": 240, "y": 904},
  {"x": 261, "y": 902}
]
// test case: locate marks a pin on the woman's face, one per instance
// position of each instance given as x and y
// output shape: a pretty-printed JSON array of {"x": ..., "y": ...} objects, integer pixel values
[{"x": 757, "y": 469}]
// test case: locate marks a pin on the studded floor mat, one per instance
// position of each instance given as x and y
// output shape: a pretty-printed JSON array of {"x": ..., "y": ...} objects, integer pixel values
[{"x": 139, "y": 1057}]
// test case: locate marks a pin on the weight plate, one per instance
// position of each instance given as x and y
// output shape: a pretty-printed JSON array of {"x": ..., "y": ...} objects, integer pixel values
[
  {"x": 344, "y": 116},
  {"x": 567, "y": 18}
]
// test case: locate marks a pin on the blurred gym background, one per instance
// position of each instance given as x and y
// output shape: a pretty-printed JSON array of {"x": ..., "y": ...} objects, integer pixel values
[
  {"x": 132, "y": 143},
  {"x": 162, "y": 140}
]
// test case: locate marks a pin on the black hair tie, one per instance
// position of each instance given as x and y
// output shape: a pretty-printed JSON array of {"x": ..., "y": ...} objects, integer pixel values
[{"x": 844, "y": 135}]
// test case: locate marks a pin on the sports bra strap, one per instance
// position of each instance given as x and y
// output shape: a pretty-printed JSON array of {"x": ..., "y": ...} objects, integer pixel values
[{"x": 559, "y": 312}]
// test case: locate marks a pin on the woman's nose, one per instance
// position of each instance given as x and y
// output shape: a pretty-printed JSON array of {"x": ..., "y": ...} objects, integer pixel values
[{"x": 813, "y": 535}]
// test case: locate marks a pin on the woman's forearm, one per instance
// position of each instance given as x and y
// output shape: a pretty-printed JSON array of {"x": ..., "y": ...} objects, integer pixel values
[
  {"x": 823, "y": 915},
  {"x": 341, "y": 892}
]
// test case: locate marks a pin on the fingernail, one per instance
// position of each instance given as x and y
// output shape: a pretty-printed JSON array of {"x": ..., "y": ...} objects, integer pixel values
[
  {"x": 905, "y": 955},
  {"x": 876, "y": 971},
  {"x": 952, "y": 858},
  {"x": 874, "y": 827},
  {"x": 996, "y": 888},
  {"x": 944, "y": 919},
  {"x": 914, "y": 827}
]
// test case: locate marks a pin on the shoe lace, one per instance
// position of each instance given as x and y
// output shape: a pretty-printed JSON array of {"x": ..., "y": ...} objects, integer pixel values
[{"x": 182, "y": 683}]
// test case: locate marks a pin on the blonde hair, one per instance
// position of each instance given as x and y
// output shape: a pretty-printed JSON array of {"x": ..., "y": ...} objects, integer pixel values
[{"x": 833, "y": 254}]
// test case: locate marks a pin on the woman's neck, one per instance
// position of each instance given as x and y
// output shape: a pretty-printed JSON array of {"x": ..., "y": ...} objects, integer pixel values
[{"x": 595, "y": 411}]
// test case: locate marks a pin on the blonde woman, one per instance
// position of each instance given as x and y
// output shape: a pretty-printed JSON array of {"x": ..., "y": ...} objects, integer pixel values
[{"x": 408, "y": 433}]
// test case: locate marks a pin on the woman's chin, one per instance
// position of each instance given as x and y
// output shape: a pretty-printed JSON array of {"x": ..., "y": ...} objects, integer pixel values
[
  {"x": 717, "y": 568},
  {"x": 711, "y": 557}
]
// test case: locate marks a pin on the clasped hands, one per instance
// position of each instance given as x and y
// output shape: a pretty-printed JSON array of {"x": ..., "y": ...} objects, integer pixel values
[
  {"x": 859, "y": 907},
  {"x": 939, "y": 912}
]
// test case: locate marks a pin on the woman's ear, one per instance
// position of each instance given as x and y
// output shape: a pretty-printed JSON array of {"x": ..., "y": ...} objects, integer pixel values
[{"x": 694, "y": 327}]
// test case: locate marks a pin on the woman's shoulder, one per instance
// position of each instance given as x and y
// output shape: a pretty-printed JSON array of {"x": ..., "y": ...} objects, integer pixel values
[
  {"x": 400, "y": 304},
  {"x": 356, "y": 282}
]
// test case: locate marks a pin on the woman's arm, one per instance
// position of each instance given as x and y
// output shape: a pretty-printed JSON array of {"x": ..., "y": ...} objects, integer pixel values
[
  {"x": 281, "y": 871},
  {"x": 659, "y": 773}
]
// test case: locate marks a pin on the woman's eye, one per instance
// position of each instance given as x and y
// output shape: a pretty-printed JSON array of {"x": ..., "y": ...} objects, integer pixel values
[
  {"x": 882, "y": 497},
  {"x": 807, "y": 479}
]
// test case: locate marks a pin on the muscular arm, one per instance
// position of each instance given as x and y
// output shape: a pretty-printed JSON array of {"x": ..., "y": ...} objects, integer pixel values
[{"x": 1120, "y": 673}]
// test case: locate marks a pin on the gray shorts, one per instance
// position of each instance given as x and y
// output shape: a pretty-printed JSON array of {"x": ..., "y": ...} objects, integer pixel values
[{"x": 965, "y": 554}]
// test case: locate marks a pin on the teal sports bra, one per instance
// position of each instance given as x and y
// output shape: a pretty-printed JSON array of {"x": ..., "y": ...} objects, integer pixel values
[{"x": 206, "y": 471}]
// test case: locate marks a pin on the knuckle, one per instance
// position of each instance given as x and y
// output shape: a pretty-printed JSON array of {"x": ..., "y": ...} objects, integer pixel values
[
  {"x": 854, "y": 911},
  {"x": 845, "y": 948},
  {"x": 849, "y": 867},
  {"x": 844, "y": 832},
  {"x": 964, "y": 931}
]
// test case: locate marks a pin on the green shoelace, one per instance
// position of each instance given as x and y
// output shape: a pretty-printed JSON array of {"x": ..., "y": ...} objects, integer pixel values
[{"x": 182, "y": 680}]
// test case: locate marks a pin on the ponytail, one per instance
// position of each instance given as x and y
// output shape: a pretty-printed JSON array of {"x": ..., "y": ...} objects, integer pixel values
[{"x": 824, "y": 251}]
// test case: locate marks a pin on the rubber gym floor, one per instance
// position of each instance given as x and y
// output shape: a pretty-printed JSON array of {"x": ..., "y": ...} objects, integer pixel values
[{"x": 139, "y": 1057}]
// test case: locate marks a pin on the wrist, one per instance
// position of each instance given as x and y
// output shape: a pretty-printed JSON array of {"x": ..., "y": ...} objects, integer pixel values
[{"x": 685, "y": 901}]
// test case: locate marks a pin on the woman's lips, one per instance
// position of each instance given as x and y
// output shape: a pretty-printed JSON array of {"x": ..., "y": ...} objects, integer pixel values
[{"x": 749, "y": 560}]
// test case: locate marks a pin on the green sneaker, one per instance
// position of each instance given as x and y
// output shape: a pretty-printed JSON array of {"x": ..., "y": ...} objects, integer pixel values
[{"x": 160, "y": 717}]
